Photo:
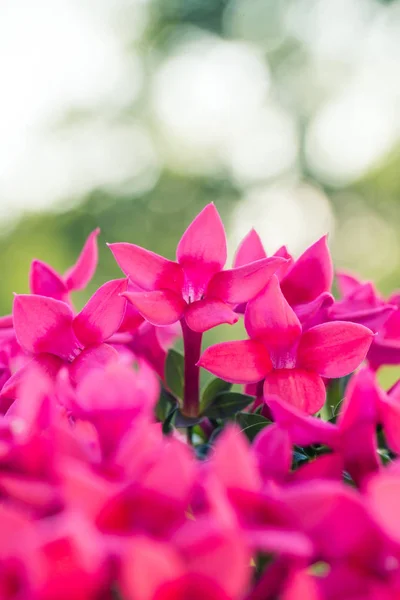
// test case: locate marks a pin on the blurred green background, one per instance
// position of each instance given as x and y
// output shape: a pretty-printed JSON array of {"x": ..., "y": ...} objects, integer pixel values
[{"x": 131, "y": 115}]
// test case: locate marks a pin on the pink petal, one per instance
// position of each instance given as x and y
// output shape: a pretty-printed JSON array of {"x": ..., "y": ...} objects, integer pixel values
[
  {"x": 336, "y": 519},
  {"x": 191, "y": 585},
  {"x": 302, "y": 586},
  {"x": 334, "y": 349},
  {"x": 389, "y": 417},
  {"x": 44, "y": 325},
  {"x": 132, "y": 319},
  {"x": 204, "y": 241},
  {"x": 94, "y": 357},
  {"x": 232, "y": 461},
  {"x": 205, "y": 314},
  {"x": 303, "y": 429},
  {"x": 117, "y": 386},
  {"x": 359, "y": 451},
  {"x": 77, "y": 276},
  {"x": 302, "y": 389},
  {"x": 373, "y": 318},
  {"x": 45, "y": 281},
  {"x": 146, "y": 269},
  {"x": 270, "y": 319},
  {"x": 362, "y": 401},
  {"x": 273, "y": 450},
  {"x": 46, "y": 362},
  {"x": 102, "y": 314},
  {"x": 243, "y": 283},
  {"x": 310, "y": 275},
  {"x": 272, "y": 540},
  {"x": 147, "y": 566},
  {"x": 327, "y": 466},
  {"x": 161, "y": 307},
  {"x": 316, "y": 311},
  {"x": 6, "y": 322},
  {"x": 346, "y": 283},
  {"x": 249, "y": 250},
  {"x": 383, "y": 352},
  {"x": 217, "y": 553},
  {"x": 246, "y": 361},
  {"x": 384, "y": 498}
]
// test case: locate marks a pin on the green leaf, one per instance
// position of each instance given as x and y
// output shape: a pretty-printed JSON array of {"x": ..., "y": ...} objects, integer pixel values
[
  {"x": 164, "y": 405},
  {"x": 251, "y": 423},
  {"x": 174, "y": 372},
  {"x": 168, "y": 424},
  {"x": 215, "y": 386},
  {"x": 227, "y": 404}
]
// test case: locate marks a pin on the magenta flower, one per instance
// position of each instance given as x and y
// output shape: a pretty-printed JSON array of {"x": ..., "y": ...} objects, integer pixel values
[
  {"x": 45, "y": 281},
  {"x": 291, "y": 362},
  {"x": 195, "y": 287},
  {"x": 306, "y": 282},
  {"x": 48, "y": 330},
  {"x": 361, "y": 303},
  {"x": 352, "y": 438}
]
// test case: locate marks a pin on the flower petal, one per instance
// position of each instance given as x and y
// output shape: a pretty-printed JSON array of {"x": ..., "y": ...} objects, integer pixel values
[
  {"x": 146, "y": 269},
  {"x": 232, "y": 461},
  {"x": 346, "y": 283},
  {"x": 249, "y": 250},
  {"x": 383, "y": 493},
  {"x": 77, "y": 276},
  {"x": 303, "y": 389},
  {"x": 102, "y": 315},
  {"x": 243, "y": 283},
  {"x": 362, "y": 401},
  {"x": 389, "y": 417},
  {"x": 373, "y": 318},
  {"x": 310, "y": 275},
  {"x": 334, "y": 349},
  {"x": 326, "y": 466},
  {"x": 246, "y": 361},
  {"x": 44, "y": 325},
  {"x": 6, "y": 322},
  {"x": 270, "y": 319},
  {"x": 204, "y": 241},
  {"x": 45, "y": 281},
  {"x": 161, "y": 307},
  {"x": 94, "y": 357},
  {"x": 303, "y": 429},
  {"x": 273, "y": 450},
  {"x": 205, "y": 314},
  {"x": 46, "y": 362},
  {"x": 314, "y": 312}
]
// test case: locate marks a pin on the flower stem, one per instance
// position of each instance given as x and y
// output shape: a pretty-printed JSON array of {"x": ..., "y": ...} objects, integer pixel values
[{"x": 192, "y": 348}]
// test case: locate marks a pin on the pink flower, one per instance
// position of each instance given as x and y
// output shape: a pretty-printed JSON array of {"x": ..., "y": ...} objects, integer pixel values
[
  {"x": 45, "y": 281},
  {"x": 305, "y": 282},
  {"x": 291, "y": 362},
  {"x": 48, "y": 330},
  {"x": 195, "y": 287},
  {"x": 360, "y": 303},
  {"x": 352, "y": 438}
]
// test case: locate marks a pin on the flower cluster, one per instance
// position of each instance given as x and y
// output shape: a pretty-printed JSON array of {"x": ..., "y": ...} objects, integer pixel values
[{"x": 120, "y": 478}]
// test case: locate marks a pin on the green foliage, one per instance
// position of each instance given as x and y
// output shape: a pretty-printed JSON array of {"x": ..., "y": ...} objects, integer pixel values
[
  {"x": 174, "y": 373},
  {"x": 251, "y": 423},
  {"x": 215, "y": 386},
  {"x": 227, "y": 404}
]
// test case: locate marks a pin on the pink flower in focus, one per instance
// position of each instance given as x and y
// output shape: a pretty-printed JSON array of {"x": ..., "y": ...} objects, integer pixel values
[
  {"x": 196, "y": 286},
  {"x": 291, "y": 362},
  {"x": 306, "y": 282}
]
